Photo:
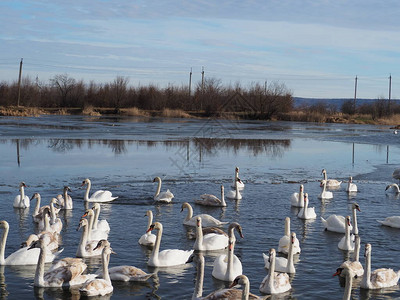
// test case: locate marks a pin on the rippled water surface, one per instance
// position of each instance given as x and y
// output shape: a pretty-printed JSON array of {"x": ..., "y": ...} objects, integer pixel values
[{"x": 193, "y": 157}]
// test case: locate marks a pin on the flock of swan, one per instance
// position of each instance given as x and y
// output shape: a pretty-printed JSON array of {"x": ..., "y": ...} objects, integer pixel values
[{"x": 44, "y": 246}]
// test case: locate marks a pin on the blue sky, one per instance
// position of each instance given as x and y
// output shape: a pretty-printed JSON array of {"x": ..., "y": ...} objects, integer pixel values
[{"x": 315, "y": 47}]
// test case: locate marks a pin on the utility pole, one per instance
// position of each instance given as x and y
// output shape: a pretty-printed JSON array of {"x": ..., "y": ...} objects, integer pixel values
[
  {"x": 202, "y": 79},
  {"x": 355, "y": 94},
  {"x": 265, "y": 87},
  {"x": 190, "y": 82},
  {"x": 390, "y": 90},
  {"x": 19, "y": 82}
]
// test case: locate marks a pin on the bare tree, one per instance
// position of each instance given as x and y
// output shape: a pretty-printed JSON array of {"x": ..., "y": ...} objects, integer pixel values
[
  {"x": 64, "y": 85},
  {"x": 119, "y": 91}
]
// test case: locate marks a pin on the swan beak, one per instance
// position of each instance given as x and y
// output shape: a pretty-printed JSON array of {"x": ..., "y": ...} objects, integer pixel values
[
  {"x": 338, "y": 272},
  {"x": 150, "y": 228},
  {"x": 85, "y": 214},
  {"x": 113, "y": 252}
]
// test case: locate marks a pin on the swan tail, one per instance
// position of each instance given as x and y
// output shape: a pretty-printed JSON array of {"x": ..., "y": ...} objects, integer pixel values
[
  {"x": 58, "y": 252},
  {"x": 324, "y": 222}
]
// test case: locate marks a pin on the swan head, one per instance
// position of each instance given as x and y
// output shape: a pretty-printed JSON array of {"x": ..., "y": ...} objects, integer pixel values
[
  {"x": 241, "y": 279},
  {"x": 351, "y": 179},
  {"x": 184, "y": 205},
  {"x": 31, "y": 239},
  {"x": 35, "y": 196},
  {"x": 156, "y": 225},
  {"x": 148, "y": 213},
  {"x": 356, "y": 206},
  {"x": 222, "y": 188},
  {"x": 292, "y": 237},
  {"x": 67, "y": 188},
  {"x": 235, "y": 225},
  {"x": 86, "y": 181},
  {"x": 323, "y": 171},
  {"x": 301, "y": 187},
  {"x": 82, "y": 223},
  {"x": 22, "y": 184},
  {"x": 101, "y": 244},
  {"x": 157, "y": 179},
  {"x": 236, "y": 169},
  {"x": 96, "y": 206},
  {"x": 4, "y": 224},
  {"x": 348, "y": 220},
  {"x": 88, "y": 212},
  {"x": 46, "y": 211},
  {"x": 305, "y": 196},
  {"x": 198, "y": 221},
  {"x": 272, "y": 254}
]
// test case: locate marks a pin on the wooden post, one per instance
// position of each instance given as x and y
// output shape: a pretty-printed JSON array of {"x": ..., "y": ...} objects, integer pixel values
[
  {"x": 355, "y": 94},
  {"x": 190, "y": 83},
  {"x": 19, "y": 82}
]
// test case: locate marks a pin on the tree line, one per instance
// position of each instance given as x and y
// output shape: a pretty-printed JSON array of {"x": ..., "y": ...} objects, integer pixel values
[{"x": 208, "y": 96}]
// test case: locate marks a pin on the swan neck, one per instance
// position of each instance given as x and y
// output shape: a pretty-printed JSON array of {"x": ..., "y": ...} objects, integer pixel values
[
  {"x": 53, "y": 212},
  {"x": 83, "y": 241},
  {"x": 22, "y": 195},
  {"x": 231, "y": 250},
  {"x": 347, "y": 287},
  {"x": 89, "y": 185},
  {"x": 271, "y": 277},
  {"x": 287, "y": 227},
  {"x": 290, "y": 264},
  {"x": 367, "y": 274},
  {"x": 223, "y": 203},
  {"x": 158, "y": 188},
  {"x": 96, "y": 217},
  {"x": 37, "y": 207},
  {"x": 246, "y": 290},
  {"x": 189, "y": 213},
  {"x": 150, "y": 220},
  {"x": 39, "y": 274},
  {"x": 106, "y": 260},
  {"x": 47, "y": 223},
  {"x": 90, "y": 227},
  {"x": 156, "y": 249},
  {"x": 3, "y": 245},
  {"x": 198, "y": 244},
  {"x": 355, "y": 226},
  {"x": 357, "y": 250}
]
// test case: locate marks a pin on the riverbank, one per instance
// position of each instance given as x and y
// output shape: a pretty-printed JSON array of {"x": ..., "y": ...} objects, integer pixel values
[{"x": 294, "y": 116}]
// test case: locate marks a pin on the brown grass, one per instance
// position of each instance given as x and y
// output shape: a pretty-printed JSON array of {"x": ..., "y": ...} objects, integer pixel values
[
  {"x": 392, "y": 120},
  {"x": 89, "y": 111},
  {"x": 134, "y": 112},
  {"x": 174, "y": 113},
  {"x": 21, "y": 111}
]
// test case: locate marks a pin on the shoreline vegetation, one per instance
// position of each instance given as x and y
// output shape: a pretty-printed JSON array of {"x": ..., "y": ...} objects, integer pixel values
[
  {"x": 63, "y": 95},
  {"x": 293, "y": 116}
]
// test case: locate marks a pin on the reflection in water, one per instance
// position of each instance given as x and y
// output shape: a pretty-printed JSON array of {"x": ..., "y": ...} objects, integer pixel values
[
  {"x": 200, "y": 146},
  {"x": 3, "y": 286}
]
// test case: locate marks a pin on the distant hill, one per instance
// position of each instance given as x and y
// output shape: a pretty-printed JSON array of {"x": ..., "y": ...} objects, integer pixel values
[{"x": 298, "y": 101}]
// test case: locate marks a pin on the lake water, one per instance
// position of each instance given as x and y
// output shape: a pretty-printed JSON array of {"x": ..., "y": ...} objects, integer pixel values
[{"x": 193, "y": 157}]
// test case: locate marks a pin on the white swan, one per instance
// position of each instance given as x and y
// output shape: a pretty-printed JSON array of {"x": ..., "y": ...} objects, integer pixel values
[
  {"x": 283, "y": 264},
  {"x": 274, "y": 283},
  {"x": 64, "y": 201},
  {"x": 394, "y": 187},
  {"x": 354, "y": 265},
  {"x": 239, "y": 182},
  {"x": 393, "y": 221},
  {"x": 207, "y": 220},
  {"x": 330, "y": 182},
  {"x": 94, "y": 234},
  {"x": 21, "y": 200},
  {"x": 337, "y": 223},
  {"x": 351, "y": 186},
  {"x": 347, "y": 243},
  {"x": 379, "y": 278},
  {"x": 169, "y": 257},
  {"x": 324, "y": 193},
  {"x": 162, "y": 196},
  {"x": 227, "y": 266},
  {"x": 98, "y": 196},
  {"x": 123, "y": 273},
  {"x": 285, "y": 242},
  {"x": 86, "y": 248},
  {"x": 211, "y": 200},
  {"x": 22, "y": 256},
  {"x": 306, "y": 212},
  {"x": 211, "y": 241},
  {"x": 297, "y": 199},
  {"x": 348, "y": 273},
  {"x": 236, "y": 195},
  {"x": 96, "y": 286},
  {"x": 65, "y": 273},
  {"x": 148, "y": 239}
]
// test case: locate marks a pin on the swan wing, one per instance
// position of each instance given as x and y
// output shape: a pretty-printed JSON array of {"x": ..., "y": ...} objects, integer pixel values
[
  {"x": 96, "y": 287},
  {"x": 384, "y": 277},
  {"x": 164, "y": 196},
  {"x": 173, "y": 257},
  {"x": 335, "y": 223},
  {"x": 128, "y": 273},
  {"x": 393, "y": 221},
  {"x": 102, "y": 196},
  {"x": 213, "y": 241},
  {"x": 148, "y": 239}
]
